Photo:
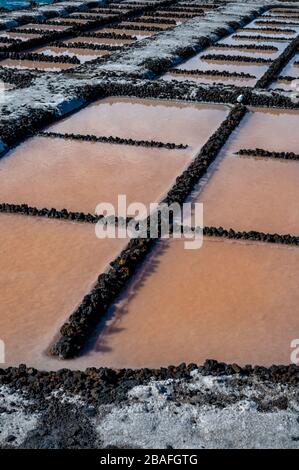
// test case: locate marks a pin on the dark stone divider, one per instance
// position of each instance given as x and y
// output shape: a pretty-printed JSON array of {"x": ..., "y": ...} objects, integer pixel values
[
  {"x": 252, "y": 235},
  {"x": 214, "y": 73},
  {"x": 19, "y": 78},
  {"x": 91, "y": 46},
  {"x": 109, "y": 35},
  {"x": 81, "y": 217},
  {"x": 155, "y": 20},
  {"x": 236, "y": 58},
  {"x": 279, "y": 23},
  {"x": 177, "y": 15},
  {"x": 266, "y": 153},
  {"x": 135, "y": 27},
  {"x": 189, "y": 91},
  {"x": 285, "y": 17},
  {"x": 114, "y": 140},
  {"x": 274, "y": 30},
  {"x": 262, "y": 47},
  {"x": 40, "y": 57},
  {"x": 287, "y": 78},
  {"x": 260, "y": 37},
  {"x": 63, "y": 214}
]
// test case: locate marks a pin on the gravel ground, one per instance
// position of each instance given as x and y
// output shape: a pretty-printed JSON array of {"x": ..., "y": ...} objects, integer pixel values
[{"x": 184, "y": 407}]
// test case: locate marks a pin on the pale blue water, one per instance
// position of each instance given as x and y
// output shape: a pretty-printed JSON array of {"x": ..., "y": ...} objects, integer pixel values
[{"x": 15, "y": 4}]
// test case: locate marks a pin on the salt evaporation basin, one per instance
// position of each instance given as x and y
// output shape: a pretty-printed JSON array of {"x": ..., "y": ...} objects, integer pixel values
[
  {"x": 48, "y": 267},
  {"x": 209, "y": 79},
  {"x": 84, "y": 55},
  {"x": 197, "y": 63},
  {"x": 33, "y": 64},
  {"x": 80, "y": 175},
  {"x": 255, "y": 193},
  {"x": 231, "y": 301},
  {"x": 139, "y": 34},
  {"x": 146, "y": 119}
]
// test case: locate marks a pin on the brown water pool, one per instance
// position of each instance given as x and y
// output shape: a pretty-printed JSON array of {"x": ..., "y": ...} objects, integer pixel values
[
  {"x": 165, "y": 121},
  {"x": 49, "y": 267},
  {"x": 79, "y": 175},
  {"x": 231, "y": 301},
  {"x": 248, "y": 193}
]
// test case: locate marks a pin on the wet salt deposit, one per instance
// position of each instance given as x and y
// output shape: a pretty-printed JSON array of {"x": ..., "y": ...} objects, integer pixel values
[
  {"x": 49, "y": 267},
  {"x": 280, "y": 45},
  {"x": 254, "y": 193},
  {"x": 148, "y": 25}
]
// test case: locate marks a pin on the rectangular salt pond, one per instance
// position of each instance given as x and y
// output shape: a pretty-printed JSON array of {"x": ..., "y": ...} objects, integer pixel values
[
  {"x": 146, "y": 119},
  {"x": 231, "y": 301},
  {"x": 287, "y": 24},
  {"x": 148, "y": 25},
  {"x": 48, "y": 268},
  {"x": 33, "y": 64},
  {"x": 22, "y": 36},
  {"x": 290, "y": 70},
  {"x": 231, "y": 40},
  {"x": 93, "y": 15},
  {"x": 248, "y": 38},
  {"x": 84, "y": 55},
  {"x": 79, "y": 175},
  {"x": 251, "y": 193},
  {"x": 71, "y": 21},
  {"x": 283, "y": 85},
  {"x": 210, "y": 79},
  {"x": 116, "y": 9},
  {"x": 253, "y": 53}
]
